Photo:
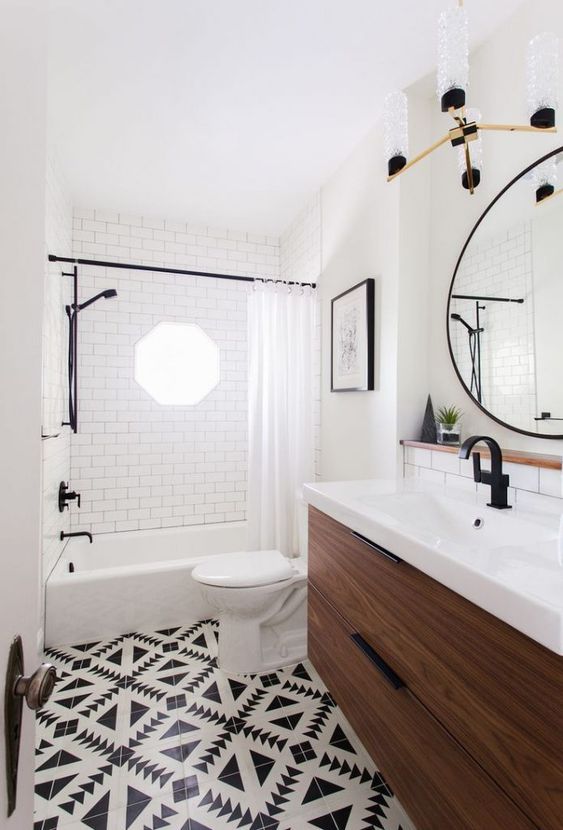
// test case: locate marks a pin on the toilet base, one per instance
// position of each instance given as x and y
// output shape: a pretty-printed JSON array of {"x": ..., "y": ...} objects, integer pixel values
[{"x": 250, "y": 646}]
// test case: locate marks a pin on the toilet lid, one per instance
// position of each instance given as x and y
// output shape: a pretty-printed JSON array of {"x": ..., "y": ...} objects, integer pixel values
[{"x": 244, "y": 570}]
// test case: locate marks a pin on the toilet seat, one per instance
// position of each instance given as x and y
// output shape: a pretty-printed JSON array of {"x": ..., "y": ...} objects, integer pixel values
[{"x": 244, "y": 570}]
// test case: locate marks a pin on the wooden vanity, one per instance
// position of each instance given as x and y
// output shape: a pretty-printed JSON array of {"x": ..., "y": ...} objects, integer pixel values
[{"x": 462, "y": 713}]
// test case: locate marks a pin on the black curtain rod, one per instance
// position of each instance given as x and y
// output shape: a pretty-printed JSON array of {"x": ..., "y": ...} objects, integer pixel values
[
  {"x": 132, "y": 267},
  {"x": 485, "y": 299}
]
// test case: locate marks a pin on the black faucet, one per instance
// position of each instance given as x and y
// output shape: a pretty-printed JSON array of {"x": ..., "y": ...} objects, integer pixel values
[
  {"x": 496, "y": 478},
  {"x": 79, "y": 533},
  {"x": 65, "y": 495}
]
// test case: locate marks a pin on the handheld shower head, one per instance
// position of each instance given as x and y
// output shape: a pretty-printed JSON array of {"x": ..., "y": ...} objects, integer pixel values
[
  {"x": 107, "y": 294},
  {"x": 460, "y": 319}
]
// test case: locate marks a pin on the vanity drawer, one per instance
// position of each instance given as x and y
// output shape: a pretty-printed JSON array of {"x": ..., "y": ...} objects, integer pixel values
[
  {"x": 495, "y": 690},
  {"x": 437, "y": 782}
]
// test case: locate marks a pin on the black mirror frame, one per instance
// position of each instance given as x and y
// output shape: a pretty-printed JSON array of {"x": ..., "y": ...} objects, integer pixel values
[{"x": 458, "y": 263}]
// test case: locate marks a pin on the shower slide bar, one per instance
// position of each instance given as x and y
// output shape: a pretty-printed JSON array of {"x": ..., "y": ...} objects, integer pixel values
[{"x": 163, "y": 270}]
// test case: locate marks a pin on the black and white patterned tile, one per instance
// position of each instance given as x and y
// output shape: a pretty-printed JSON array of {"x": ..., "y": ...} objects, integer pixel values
[{"x": 145, "y": 732}]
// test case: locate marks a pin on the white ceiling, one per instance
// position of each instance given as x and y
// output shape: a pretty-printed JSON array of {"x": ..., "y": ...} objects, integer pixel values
[{"x": 228, "y": 112}]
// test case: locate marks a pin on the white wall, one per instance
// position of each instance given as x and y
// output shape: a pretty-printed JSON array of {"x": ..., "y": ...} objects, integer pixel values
[
  {"x": 139, "y": 464},
  {"x": 497, "y": 78},
  {"x": 374, "y": 229},
  {"x": 22, "y": 249}
]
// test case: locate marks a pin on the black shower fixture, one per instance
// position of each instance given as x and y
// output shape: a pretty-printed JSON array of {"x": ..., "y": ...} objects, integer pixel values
[
  {"x": 107, "y": 294},
  {"x": 72, "y": 312},
  {"x": 460, "y": 319},
  {"x": 474, "y": 335}
]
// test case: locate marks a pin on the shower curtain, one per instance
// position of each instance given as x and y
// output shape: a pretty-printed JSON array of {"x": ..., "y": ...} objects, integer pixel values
[{"x": 281, "y": 330}]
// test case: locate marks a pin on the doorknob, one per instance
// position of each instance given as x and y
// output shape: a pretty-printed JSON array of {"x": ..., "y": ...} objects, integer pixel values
[{"x": 36, "y": 690}]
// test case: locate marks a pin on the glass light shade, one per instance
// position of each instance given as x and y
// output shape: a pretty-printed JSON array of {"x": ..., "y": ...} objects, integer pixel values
[
  {"x": 396, "y": 130},
  {"x": 453, "y": 58},
  {"x": 475, "y": 151},
  {"x": 544, "y": 177},
  {"x": 542, "y": 76}
]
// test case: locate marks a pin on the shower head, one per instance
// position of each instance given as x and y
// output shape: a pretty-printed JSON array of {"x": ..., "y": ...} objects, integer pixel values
[
  {"x": 460, "y": 319},
  {"x": 107, "y": 294}
]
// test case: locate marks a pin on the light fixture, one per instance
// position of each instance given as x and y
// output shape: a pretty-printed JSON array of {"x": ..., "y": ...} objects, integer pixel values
[
  {"x": 544, "y": 176},
  {"x": 542, "y": 75},
  {"x": 475, "y": 161},
  {"x": 542, "y": 63},
  {"x": 396, "y": 131}
]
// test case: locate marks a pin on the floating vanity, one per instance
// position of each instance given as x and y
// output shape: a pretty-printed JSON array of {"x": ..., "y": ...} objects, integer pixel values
[{"x": 437, "y": 624}]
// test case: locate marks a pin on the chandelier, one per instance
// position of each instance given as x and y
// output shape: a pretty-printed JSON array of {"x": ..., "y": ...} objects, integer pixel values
[{"x": 542, "y": 74}]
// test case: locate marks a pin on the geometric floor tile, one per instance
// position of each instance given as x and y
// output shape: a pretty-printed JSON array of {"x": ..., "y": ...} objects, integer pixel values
[{"x": 145, "y": 732}]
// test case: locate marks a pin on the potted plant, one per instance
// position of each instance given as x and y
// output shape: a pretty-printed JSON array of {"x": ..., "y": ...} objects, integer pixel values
[{"x": 448, "y": 423}]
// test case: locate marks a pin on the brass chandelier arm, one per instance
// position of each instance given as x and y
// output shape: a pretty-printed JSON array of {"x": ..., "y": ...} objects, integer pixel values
[
  {"x": 421, "y": 156},
  {"x": 469, "y": 166},
  {"x": 511, "y": 128}
]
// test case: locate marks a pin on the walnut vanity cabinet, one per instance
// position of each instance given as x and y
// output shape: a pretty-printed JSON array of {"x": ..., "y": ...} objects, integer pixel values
[{"x": 462, "y": 713}]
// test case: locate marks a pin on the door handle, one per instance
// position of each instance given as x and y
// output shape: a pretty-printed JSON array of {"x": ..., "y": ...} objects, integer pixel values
[
  {"x": 36, "y": 691},
  {"x": 377, "y": 548},
  {"x": 384, "y": 668},
  {"x": 37, "y": 688}
]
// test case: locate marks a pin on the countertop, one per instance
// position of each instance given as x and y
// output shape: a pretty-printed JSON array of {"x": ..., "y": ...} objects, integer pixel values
[{"x": 520, "y": 583}]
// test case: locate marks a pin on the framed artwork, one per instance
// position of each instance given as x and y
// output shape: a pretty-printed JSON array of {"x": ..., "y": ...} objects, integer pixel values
[{"x": 352, "y": 324}]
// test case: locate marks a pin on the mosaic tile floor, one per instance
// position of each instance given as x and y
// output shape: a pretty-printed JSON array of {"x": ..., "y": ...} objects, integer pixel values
[{"x": 145, "y": 732}]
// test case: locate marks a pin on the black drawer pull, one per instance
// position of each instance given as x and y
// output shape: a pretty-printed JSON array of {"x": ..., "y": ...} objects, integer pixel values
[
  {"x": 378, "y": 661},
  {"x": 377, "y": 548}
]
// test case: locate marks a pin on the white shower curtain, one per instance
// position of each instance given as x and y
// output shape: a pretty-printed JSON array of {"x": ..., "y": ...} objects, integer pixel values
[{"x": 281, "y": 327}]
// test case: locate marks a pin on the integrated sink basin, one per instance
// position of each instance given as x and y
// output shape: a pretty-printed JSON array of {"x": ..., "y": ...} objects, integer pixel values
[
  {"x": 505, "y": 561},
  {"x": 442, "y": 520}
]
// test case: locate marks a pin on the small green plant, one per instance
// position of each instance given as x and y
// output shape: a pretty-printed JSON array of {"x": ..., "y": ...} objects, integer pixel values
[{"x": 449, "y": 415}]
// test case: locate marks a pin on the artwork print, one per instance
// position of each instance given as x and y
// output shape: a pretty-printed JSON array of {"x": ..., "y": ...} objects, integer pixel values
[{"x": 352, "y": 339}]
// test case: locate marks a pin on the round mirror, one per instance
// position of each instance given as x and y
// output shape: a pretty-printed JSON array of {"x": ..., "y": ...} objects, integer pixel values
[{"x": 505, "y": 307}]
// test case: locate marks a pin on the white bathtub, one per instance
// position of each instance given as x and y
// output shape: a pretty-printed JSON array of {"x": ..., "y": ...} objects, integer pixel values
[{"x": 134, "y": 581}]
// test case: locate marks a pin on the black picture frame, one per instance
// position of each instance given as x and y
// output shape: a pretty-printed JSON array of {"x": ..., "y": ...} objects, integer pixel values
[{"x": 364, "y": 379}]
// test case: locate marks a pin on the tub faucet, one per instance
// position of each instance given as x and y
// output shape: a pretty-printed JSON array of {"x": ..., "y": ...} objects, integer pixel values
[
  {"x": 498, "y": 480},
  {"x": 79, "y": 533}
]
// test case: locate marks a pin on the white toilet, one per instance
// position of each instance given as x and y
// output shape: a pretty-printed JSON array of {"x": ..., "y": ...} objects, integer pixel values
[{"x": 260, "y": 600}]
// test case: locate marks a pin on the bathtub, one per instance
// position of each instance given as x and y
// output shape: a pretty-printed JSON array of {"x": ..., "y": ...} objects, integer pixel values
[{"x": 132, "y": 581}]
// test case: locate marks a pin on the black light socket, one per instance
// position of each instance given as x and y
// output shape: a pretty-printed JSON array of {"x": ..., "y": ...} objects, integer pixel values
[
  {"x": 395, "y": 164},
  {"x": 476, "y": 178},
  {"x": 543, "y": 118},
  {"x": 453, "y": 98},
  {"x": 544, "y": 191}
]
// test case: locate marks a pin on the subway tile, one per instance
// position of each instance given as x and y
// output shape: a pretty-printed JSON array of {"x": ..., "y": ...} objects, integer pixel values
[{"x": 551, "y": 482}]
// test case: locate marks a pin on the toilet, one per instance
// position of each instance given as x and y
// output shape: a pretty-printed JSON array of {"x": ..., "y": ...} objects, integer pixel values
[{"x": 260, "y": 601}]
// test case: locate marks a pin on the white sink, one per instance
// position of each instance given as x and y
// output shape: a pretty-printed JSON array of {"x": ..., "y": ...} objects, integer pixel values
[
  {"x": 505, "y": 561},
  {"x": 442, "y": 520}
]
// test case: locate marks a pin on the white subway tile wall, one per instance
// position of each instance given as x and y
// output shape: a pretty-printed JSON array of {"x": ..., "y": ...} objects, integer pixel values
[
  {"x": 530, "y": 486},
  {"x": 500, "y": 266},
  {"x": 138, "y": 464},
  {"x": 56, "y": 449}
]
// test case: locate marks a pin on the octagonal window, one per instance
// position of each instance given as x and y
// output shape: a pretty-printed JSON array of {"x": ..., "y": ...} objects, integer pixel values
[{"x": 177, "y": 363}]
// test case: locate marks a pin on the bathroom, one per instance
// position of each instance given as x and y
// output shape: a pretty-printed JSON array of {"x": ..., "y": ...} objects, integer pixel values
[{"x": 230, "y": 575}]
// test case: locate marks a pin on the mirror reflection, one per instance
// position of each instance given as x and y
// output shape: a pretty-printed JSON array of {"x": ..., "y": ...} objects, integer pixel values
[{"x": 505, "y": 323}]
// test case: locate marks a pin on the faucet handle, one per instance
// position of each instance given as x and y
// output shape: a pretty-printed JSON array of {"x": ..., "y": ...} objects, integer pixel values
[{"x": 477, "y": 474}]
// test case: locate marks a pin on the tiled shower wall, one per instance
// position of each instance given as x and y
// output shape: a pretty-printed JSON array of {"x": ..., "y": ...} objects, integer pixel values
[
  {"x": 501, "y": 266},
  {"x": 56, "y": 447},
  {"x": 138, "y": 464},
  {"x": 531, "y": 488}
]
